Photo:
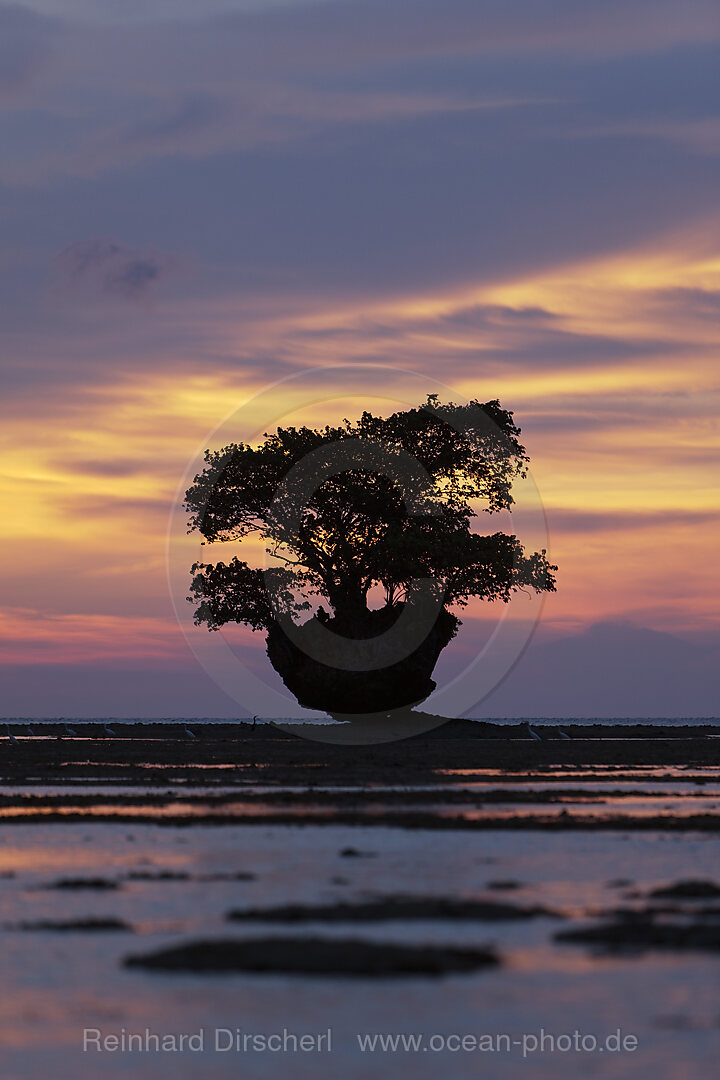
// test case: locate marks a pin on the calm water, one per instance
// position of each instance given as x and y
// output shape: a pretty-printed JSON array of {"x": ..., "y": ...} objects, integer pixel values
[{"x": 55, "y": 984}]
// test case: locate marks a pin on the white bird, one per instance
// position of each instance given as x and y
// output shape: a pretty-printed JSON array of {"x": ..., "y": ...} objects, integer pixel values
[
  {"x": 532, "y": 732},
  {"x": 10, "y": 735},
  {"x": 71, "y": 731},
  {"x": 108, "y": 730},
  {"x": 190, "y": 733}
]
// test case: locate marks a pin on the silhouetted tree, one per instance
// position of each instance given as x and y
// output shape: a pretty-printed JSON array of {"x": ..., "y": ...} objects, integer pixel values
[{"x": 380, "y": 528}]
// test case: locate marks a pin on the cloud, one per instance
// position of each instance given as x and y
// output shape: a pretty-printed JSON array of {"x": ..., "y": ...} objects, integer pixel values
[
  {"x": 29, "y": 636},
  {"x": 400, "y": 169},
  {"x": 700, "y": 135},
  {"x": 246, "y": 116},
  {"x": 25, "y": 41},
  {"x": 111, "y": 268},
  {"x": 170, "y": 122},
  {"x": 246, "y": 79},
  {"x": 140, "y": 12},
  {"x": 499, "y": 337},
  {"x": 350, "y": 34},
  {"x": 568, "y": 520},
  {"x": 116, "y": 467}
]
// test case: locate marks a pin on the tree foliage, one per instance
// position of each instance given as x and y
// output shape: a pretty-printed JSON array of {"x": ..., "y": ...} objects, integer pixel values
[{"x": 360, "y": 529}]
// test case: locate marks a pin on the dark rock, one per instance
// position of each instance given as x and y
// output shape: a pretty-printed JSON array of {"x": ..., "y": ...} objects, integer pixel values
[
  {"x": 338, "y": 691},
  {"x": 636, "y": 935},
  {"x": 84, "y": 883},
  {"x": 393, "y": 907},
  {"x": 687, "y": 890},
  {"x": 159, "y": 875},
  {"x": 89, "y": 924},
  {"x": 231, "y": 875},
  {"x": 315, "y": 956},
  {"x": 710, "y": 912}
]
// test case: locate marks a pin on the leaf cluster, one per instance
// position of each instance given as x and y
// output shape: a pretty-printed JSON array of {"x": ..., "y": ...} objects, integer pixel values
[{"x": 360, "y": 528}]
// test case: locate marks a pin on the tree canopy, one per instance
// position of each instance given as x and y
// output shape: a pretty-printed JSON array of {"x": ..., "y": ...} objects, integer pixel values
[{"x": 360, "y": 529}]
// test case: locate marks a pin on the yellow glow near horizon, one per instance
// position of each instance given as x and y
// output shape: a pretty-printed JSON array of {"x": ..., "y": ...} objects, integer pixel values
[{"x": 101, "y": 481}]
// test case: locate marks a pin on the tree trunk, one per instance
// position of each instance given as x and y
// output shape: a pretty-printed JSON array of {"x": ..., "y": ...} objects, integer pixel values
[{"x": 349, "y": 605}]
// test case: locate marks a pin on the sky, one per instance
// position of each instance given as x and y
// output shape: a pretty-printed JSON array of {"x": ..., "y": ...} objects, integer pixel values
[{"x": 519, "y": 200}]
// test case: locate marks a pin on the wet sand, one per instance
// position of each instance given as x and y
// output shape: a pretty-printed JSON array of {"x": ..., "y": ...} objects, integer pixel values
[
  {"x": 148, "y": 753},
  {"x": 464, "y": 775}
]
